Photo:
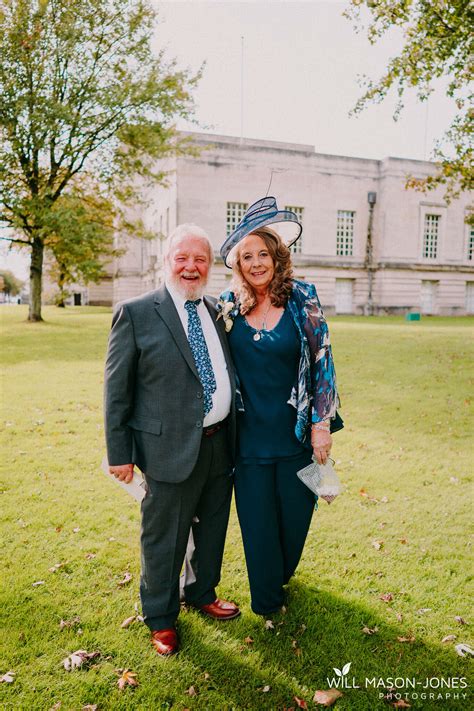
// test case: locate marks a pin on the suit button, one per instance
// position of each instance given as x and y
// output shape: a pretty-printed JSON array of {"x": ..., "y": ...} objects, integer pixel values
[
  {"x": 199, "y": 394},
  {"x": 199, "y": 424}
]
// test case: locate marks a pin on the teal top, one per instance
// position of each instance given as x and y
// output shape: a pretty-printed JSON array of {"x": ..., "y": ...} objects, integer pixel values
[
  {"x": 314, "y": 393},
  {"x": 267, "y": 366}
]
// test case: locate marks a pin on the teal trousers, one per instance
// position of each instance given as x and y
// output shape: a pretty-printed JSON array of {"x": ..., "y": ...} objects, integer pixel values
[{"x": 275, "y": 510}]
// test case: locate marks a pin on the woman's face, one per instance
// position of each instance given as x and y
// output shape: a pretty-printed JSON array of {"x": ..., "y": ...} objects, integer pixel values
[{"x": 256, "y": 263}]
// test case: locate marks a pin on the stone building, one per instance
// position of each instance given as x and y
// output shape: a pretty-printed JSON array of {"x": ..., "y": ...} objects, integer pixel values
[{"x": 420, "y": 255}]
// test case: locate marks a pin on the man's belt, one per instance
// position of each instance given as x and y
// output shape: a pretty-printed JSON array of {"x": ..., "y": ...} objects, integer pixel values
[{"x": 212, "y": 429}]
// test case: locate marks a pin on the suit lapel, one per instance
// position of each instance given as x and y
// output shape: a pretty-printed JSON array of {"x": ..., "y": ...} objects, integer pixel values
[
  {"x": 220, "y": 328},
  {"x": 165, "y": 308}
]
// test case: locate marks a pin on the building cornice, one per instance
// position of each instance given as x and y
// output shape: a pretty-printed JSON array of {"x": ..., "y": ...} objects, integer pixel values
[{"x": 330, "y": 263}]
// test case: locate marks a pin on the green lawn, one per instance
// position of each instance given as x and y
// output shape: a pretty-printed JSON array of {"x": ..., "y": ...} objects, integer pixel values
[{"x": 405, "y": 389}]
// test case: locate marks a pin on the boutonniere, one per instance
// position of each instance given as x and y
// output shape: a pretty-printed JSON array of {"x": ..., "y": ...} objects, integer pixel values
[{"x": 228, "y": 310}]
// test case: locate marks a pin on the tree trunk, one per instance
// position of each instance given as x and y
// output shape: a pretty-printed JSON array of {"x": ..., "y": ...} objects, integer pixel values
[
  {"x": 62, "y": 296},
  {"x": 36, "y": 275}
]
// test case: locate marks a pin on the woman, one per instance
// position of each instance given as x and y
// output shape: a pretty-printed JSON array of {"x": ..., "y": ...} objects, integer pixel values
[{"x": 280, "y": 345}]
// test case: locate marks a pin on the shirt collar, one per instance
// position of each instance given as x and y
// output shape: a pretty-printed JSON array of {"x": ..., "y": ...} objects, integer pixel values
[{"x": 177, "y": 297}]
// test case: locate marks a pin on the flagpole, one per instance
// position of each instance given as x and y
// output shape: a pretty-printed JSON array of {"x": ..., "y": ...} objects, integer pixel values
[{"x": 242, "y": 90}]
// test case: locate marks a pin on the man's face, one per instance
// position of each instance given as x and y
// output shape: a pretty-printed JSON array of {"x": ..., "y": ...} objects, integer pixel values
[{"x": 188, "y": 265}]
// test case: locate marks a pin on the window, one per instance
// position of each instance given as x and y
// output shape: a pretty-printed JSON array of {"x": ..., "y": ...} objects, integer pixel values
[
  {"x": 430, "y": 236},
  {"x": 345, "y": 233},
  {"x": 470, "y": 245},
  {"x": 235, "y": 212},
  {"x": 297, "y": 247}
]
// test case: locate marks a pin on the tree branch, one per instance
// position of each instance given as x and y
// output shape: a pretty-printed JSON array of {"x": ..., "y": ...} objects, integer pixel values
[{"x": 15, "y": 240}]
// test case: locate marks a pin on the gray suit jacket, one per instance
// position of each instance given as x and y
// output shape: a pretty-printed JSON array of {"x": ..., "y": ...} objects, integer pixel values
[{"x": 154, "y": 405}]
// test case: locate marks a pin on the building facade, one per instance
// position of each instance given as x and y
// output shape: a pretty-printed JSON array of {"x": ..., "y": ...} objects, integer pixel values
[{"x": 368, "y": 243}]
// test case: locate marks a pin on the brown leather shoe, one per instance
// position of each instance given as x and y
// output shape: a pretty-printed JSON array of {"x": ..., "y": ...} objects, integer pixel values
[
  {"x": 165, "y": 641},
  {"x": 220, "y": 610}
]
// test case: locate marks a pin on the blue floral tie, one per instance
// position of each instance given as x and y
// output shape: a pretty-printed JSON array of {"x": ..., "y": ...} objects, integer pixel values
[{"x": 200, "y": 353}]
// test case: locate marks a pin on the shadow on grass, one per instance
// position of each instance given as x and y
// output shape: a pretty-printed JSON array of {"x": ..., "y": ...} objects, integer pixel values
[{"x": 319, "y": 632}]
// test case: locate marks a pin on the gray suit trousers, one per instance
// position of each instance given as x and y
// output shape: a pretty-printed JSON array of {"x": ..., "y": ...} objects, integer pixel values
[{"x": 168, "y": 510}]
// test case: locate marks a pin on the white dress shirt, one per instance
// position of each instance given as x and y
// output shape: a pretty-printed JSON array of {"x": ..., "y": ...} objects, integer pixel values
[{"x": 221, "y": 398}]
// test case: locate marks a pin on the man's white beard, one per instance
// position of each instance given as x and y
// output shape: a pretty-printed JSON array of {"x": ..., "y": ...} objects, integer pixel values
[{"x": 190, "y": 292}]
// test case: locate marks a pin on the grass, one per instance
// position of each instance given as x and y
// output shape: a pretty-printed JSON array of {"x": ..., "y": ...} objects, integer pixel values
[{"x": 405, "y": 390}]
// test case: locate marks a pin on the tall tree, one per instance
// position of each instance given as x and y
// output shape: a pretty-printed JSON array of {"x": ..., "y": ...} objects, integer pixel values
[
  {"x": 82, "y": 94},
  {"x": 10, "y": 284},
  {"x": 81, "y": 226},
  {"x": 438, "y": 43}
]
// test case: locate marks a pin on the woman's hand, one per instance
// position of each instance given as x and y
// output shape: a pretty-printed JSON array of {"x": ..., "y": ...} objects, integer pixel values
[{"x": 321, "y": 441}]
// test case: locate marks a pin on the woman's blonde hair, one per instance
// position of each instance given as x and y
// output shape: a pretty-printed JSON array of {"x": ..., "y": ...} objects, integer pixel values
[{"x": 281, "y": 285}]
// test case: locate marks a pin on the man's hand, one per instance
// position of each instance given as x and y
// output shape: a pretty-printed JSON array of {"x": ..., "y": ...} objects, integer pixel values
[{"x": 124, "y": 472}]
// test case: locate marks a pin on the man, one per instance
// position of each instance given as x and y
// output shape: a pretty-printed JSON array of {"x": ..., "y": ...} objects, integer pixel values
[{"x": 169, "y": 409}]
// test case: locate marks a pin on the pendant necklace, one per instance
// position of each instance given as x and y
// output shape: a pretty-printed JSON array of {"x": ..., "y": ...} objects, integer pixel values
[{"x": 257, "y": 336}]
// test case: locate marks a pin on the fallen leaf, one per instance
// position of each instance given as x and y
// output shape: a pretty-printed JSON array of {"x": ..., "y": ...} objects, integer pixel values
[
  {"x": 303, "y": 628},
  {"x": 449, "y": 638},
  {"x": 90, "y": 707},
  {"x": 126, "y": 579},
  {"x": 38, "y": 582},
  {"x": 301, "y": 703},
  {"x": 386, "y": 597},
  {"x": 401, "y": 704},
  {"x": 406, "y": 639},
  {"x": 370, "y": 630},
  {"x": 89, "y": 556},
  {"x": 8, "y": 677},
  {"x": 248, "y": 640},
  {"x": 464, "y": 650},
  {"x": 461, "y": 620},
  {"x": 363, "y": 493},
  {"x": 294, "y": 643},
  {"x": 78, "y": 659},
  {"x": 191, "y": 691},
  {"x": 327, "y": 697},
  {"x": 374, "y": 500},
  {"x": 126, "y": 623},
  {"x": 422, "y": 610},
  {"x": 399, "y": 616},
  {"x": 403, "y": 540},
  {"x": 207, "y": 676},
  {"x": 58, "y": 529},
  {"x": 56, "y": 706},
  {"x": 454, "y": 480},
  {"x": 76, "y": 530},
  {"x": 377, "y": 545},
  {"x": 127, "y": 678},
  {"x": 269, "y": 625},
  {"x": 56, "y": 567},
  {"x": 69, "y": 623},
  {"x": 266, "y": 689}
]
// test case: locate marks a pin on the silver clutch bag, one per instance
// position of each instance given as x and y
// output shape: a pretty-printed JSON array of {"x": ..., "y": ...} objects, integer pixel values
[{"x": 321, "y": 479}]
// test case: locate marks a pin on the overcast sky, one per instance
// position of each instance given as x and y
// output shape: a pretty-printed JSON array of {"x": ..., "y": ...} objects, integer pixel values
[
  {"x": 300, "y": 66},
  {"x": 301, "y": 61}
]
